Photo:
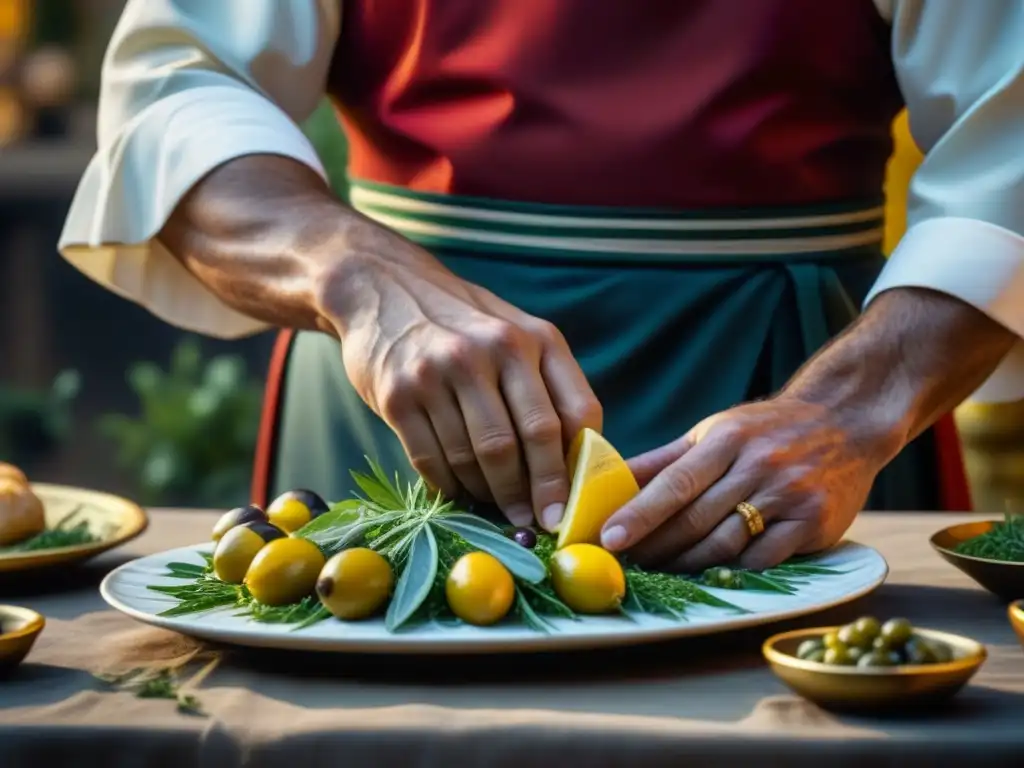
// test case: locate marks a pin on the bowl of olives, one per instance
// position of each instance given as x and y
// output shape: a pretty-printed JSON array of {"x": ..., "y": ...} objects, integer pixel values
[
  {"x": 871, "y": 665},
  {"x": 1016, "y": 612},
  {"x": 19, "y": 628}
]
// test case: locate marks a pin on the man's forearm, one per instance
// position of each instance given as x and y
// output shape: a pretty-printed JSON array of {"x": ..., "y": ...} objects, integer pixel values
[
  {"x": 912, "y": 357},
  {"x": 266, "y": 235}
]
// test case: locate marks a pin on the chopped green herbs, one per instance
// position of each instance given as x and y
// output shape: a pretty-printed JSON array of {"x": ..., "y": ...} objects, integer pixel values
[{"x": 1004, "y": 541}]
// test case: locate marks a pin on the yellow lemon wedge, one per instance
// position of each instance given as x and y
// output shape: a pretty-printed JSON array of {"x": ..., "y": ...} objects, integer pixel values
[{"x": 601, "y": 484}]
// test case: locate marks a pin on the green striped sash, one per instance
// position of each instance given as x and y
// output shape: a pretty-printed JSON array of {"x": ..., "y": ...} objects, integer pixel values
[{"x": 619, "y": 234}]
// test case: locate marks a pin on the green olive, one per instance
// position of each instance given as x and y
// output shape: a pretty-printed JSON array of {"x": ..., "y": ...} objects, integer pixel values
[
  {"x": 250, "y": 513},
  {"x": 284, "y": 571},
  {"x": 839, "y": 656},
  {"x": 355, "y": 583},
  {"x": 808, "y": 647},
  {"x": 818, "y": 656},
  {"x": 941, "y": 653},
  {"x": 239, "y": 546},
  {"x": 292, "y": 510},
  {"x": 897, "y": 632},
  {"x": 855, "y": 653},
  {"x": 879, "y": 659},
  {"x": 851, "y": 636},
  {"x": 868, "y": 626},
  {"x": 881, "y": 644},
  {"x": 831, "y": 640},
  {"x": 917, "y": 651}
]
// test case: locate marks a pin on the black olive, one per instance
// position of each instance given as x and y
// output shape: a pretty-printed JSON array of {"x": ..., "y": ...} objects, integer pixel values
[
  {"x": 250, "y": 513},
  {"x": 525, "y": 537}
]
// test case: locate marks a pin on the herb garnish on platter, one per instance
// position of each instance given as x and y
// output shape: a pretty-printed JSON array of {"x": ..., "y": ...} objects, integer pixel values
[
  {"x": 423, "y": 537},
  {"x": 66, "y": 533}
]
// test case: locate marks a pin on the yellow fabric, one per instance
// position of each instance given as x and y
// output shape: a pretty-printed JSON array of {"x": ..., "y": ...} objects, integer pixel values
[{"x": 906, "y": 157}]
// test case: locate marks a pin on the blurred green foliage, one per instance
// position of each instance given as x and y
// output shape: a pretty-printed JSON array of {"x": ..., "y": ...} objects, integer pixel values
[
  {"x": 33, "y": 422},
  {"x": 193, "y": 440}
]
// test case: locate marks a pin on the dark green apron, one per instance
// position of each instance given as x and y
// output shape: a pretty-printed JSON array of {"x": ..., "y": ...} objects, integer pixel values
[{"x": 672, "y": 318}]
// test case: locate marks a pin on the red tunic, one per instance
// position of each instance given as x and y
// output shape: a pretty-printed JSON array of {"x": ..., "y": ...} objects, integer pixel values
[{"x": 685, "y": 104}]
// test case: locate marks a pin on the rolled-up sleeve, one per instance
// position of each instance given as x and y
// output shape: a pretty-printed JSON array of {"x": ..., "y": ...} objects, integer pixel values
[
  {"x": 960, "y": 66},
  {"x": 187, "y": 86}
]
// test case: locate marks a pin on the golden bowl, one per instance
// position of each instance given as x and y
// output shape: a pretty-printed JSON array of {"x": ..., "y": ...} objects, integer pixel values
[
  {"x": 1002, "y": 578},
  {"x": 873, "y": 688},
  {"x": 19, "y": 628},
  {"x": 1016, "y": 611}
]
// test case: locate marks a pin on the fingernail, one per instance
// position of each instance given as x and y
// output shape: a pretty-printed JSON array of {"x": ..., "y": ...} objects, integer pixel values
[
  {"x": 519, "y": 514},
  {"x": 614, "y": 538},
  {"x": 551, "y": 516}
]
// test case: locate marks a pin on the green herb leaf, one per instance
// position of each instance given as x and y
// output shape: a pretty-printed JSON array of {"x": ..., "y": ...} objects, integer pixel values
[
  {"x": 759, "y": 582},
  {"x": 416, "y": 580},
  {"x": 530, "y": 617},
  {"x": 475, "y": 521},
  {"x": 186, "y": 570},
  {"x": 378, "y": 488},
  {"x": 518, "y": 559},
  {"x": 345, "y": 513}
]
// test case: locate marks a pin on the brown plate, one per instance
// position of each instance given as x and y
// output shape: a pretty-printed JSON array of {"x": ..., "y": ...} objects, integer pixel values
[
  {"x": 873, "y": 688},
  {"x": 115, "y": 521},
  {"x": 1016, "y": 611},
  {"x": 999, "y": 577},
  {"x": 19, "y": 628}
]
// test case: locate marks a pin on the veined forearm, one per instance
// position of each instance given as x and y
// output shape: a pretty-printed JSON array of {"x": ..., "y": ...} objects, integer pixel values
[
  {"x": 912, "y": 357},
  {"x": 264, "y": 233}
]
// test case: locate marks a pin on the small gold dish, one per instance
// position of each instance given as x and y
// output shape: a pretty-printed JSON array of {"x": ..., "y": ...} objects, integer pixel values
[
  {"x": 1016, "y": 611},
  {"x": 873, "y": 688},
  {"x": 19, "y": 628},
  {"x": 1001, "y": 578}
]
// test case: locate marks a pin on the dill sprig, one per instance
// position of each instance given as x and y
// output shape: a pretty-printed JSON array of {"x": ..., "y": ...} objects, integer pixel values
[{"x": 1004, "y": 541}]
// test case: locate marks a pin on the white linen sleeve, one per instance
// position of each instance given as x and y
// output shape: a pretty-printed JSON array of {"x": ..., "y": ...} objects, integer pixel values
[
  {"x": 188, "y": 85},
  {"x": 960, "y": 67}
]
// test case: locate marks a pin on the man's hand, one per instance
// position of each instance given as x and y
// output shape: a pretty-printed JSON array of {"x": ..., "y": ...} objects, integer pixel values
[
  {"x": 805, "y": 471},
  {"x": 483, "y": 396},
  {"x": 806, "y": 459}
]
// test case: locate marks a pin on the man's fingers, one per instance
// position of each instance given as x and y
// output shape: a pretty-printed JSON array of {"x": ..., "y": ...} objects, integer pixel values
[
  {"x": 496, "y": 446},
  {"x": 450, "y": 428},
  {"x": 540, "y": 433},
  {"x": 778, "y": 543},
  {"x": 646, "y": 466},
  {"x": 574, "y": 401},
  {"x": 723, "y": 545},
  {"x": 425, "y": 453},
  {"x": 694, "y": 523},
  {"x": 672, "y": 490}
]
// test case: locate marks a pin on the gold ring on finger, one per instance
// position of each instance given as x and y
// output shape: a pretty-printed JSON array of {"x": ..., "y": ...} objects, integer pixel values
[{"x": 752, "y": 517}]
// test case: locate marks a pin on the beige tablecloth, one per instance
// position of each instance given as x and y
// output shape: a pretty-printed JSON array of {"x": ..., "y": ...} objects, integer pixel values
[{"x": 702, "y": 702}]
